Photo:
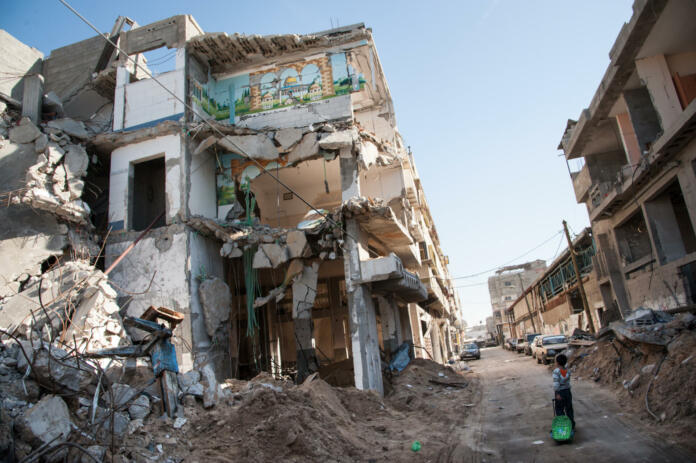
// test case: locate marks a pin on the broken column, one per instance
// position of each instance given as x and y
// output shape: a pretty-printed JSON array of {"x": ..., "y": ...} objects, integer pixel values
[
  {"x": 32, "y": 98},
  {"x": 304, "y": 291},
  {"x": 363, "y": 324},
  {"x": 391, "y": 324},
  {"x": 340, "y": 351}
]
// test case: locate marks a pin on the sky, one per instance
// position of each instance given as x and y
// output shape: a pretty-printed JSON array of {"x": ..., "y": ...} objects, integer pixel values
[{"x": 482, "y": 92}]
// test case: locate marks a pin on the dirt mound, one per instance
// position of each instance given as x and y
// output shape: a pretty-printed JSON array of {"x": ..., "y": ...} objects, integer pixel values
[
  {"x": 267, "y": 420},
  {"x": 654, "y": 381}
]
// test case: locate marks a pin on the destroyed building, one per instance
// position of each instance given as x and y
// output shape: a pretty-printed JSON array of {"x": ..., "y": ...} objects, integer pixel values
[
  {"x": 505, "y": 287},
  {"x": 633, "y": 161},
  {"x": 552, "y": 303},
  {"x": 261, "y": 188}
]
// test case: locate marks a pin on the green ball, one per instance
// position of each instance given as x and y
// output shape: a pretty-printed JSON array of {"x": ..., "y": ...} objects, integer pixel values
[{"x": 416, "y": 446}]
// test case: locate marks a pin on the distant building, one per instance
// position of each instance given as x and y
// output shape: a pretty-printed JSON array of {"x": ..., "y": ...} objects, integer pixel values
[{"x": 506, "y": 286}]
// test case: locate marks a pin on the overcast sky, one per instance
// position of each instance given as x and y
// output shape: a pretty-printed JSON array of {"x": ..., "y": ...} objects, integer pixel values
[{"x": 482, "y": 91}]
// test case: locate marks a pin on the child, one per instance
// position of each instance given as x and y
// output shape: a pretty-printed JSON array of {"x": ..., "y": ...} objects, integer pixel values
[{"x": 561, "y": 388}]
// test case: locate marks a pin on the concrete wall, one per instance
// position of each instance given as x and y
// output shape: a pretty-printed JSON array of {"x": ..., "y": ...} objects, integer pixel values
[
  {"x": 16, "y": 60},
  {"x": 164, "y": 254},
  {"x": 68, "y": 69},
  {"x": 146, "y": 101},
  {"x": 205, "y": 260},
  {"x": 202, "y": 195},
  {"x": 300, "y": 115},
  {"x": 122, "y": 160}
]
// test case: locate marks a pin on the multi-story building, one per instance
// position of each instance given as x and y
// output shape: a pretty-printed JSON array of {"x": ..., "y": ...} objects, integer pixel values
[
  {"x": 636, "y": 157},
  {"x": 505, "y": 287},
  {"x": 261, "y": 188},
  {"x": 553, "y": 304}
]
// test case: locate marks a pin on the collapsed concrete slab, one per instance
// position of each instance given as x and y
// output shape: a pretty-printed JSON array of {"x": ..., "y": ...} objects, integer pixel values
[
  {"x": 216, "y": 300},
  {"x": 25, "y": 132},
  {"x": 46, "y": 422}
]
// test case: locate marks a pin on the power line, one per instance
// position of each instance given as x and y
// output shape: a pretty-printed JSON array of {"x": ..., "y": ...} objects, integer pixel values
[
  {"x": 215, "y": 129},
  {"x": 506, "y": 263}
]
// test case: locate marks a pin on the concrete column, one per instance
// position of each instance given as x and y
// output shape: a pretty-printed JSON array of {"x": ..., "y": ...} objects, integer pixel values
[
  {"x": 435, "y": 340},
  {"x": 363, "y": 323},
  {"x": 304, "y": 291},
  {"x": 340, "y": 351},
  {"x": 654, "y": 72},
  {"x": 390, "y": 322},
  {"x": 616, "y": 276},
  {"x": 32, "y": 99},
  {"x": 687, "y": 183},
  {"x": 448, "y": 339},
  {"x": 122, "y": 78}
]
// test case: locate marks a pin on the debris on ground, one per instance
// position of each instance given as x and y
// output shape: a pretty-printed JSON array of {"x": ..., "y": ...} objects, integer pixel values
[{"x": 648, "y": 360}]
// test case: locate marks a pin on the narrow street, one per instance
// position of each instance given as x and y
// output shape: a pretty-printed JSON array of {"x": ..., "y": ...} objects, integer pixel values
[{"x": 512, "y": 424}]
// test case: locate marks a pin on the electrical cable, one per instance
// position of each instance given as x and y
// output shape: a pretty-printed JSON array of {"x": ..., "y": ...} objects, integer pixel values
[
  {"x": 502, "y": 265},
  {"x": 205, "y": 121}
]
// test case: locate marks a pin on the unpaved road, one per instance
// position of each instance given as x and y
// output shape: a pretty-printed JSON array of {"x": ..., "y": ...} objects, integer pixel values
[{"x": 513, "y": 420}]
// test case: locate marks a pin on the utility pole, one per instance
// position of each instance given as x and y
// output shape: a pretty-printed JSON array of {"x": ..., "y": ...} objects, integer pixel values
[
  {"x": 526, "y": 301},
  {"x": 583, "y": 296}
]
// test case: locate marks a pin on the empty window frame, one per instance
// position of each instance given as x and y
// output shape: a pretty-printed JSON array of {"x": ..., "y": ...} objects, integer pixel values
[
  {"x": 668, "y": 216},
  {"x": 148, "y": 200},
  {"x": 632, "y": 239}
]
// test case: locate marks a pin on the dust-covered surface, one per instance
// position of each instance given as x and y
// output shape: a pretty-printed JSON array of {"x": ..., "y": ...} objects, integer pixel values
[
  {"x": 666, "y": 375},
  {"x": 266, "y": 420}
]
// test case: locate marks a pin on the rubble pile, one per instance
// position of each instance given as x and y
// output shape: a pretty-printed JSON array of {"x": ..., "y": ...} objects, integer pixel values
[
  {"x": 649, "y": 358},
  {"x": 56, "y": 181},
  {"x": 268, "y": 420}
]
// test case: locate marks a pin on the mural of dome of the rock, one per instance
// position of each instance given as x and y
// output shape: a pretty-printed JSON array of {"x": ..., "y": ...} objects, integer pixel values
[{"x": 304, "y": 82}]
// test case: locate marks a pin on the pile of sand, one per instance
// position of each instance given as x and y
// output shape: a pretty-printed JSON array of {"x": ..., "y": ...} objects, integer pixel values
[{"x": 267, "y": 420}]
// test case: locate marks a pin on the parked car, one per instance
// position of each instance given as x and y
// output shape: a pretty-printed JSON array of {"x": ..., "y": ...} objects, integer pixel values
[
  {"x": 549, "y": 346},
  {"x": 471, "y": 350},
  {"x": 519, "y": 346},
  {"x": 510, "y": 343},
  {"x": 490, "y": 343},
  {"x": 530, "y": 343},
  {"x": 524, "y": 345}
]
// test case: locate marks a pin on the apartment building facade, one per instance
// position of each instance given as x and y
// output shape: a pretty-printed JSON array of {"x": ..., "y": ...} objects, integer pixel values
[
  {"x": 261, "y": 187},
  {"x": 635, "y": 161},
  {"x": 505, "y": 287}
]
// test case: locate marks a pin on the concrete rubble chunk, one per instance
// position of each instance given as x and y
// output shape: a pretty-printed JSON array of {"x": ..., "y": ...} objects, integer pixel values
[
  {"x": 188, "y": 379},
  {"x": 49, "y": 419},
  {"x": 216, "y": 300},
  {"x": 55, "y": 153},
  {"x": 212, "y": 388},
  {"x": 277, "y": 254},
  {"x": 41, "y": 143},
  {"x": 337, "y": 140},
  {"x": 288, "y": 137},
  {"x": 122, "y": 393},
  {"x": 139, "y": 409},
  {"x": 25, "y": 132},
  {"x": 71, "y": 127},
  {"x": 76, "y": 161},
  {"x": 58, "y": 368},
  {"x": 75, "y": 188},
  {"x": 255, "y": 146},
  {"x": 96, "y": 451},
  {"x": 297, "y": 244},
  {"x": 307, "y": 148},
  {"x": 261, "y": 260}
]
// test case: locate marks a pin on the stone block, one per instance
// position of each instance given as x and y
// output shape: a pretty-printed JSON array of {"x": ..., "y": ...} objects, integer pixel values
[
  {"x": 71, "y": 127},
  {"x": 49, "y": 419},
  {"x": 25, "y": 132}
]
